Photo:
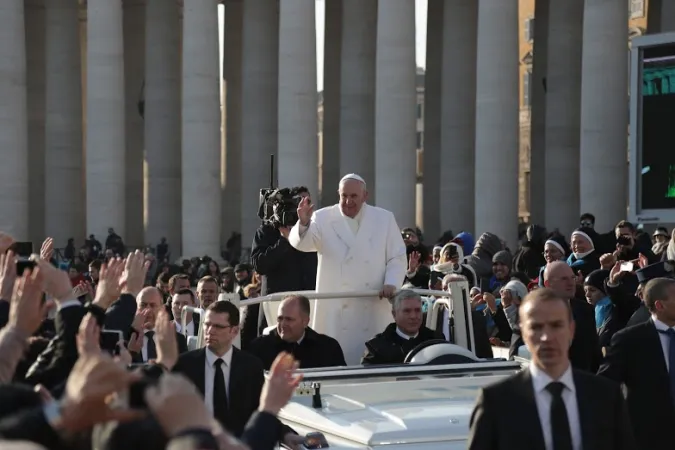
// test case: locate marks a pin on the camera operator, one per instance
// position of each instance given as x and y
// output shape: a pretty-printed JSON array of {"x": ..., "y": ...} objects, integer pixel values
[{"x": 286, "y": 268}]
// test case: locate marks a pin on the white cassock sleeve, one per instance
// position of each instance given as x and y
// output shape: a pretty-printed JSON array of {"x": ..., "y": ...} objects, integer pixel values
[
  {"x": 306, "y": 239},
  {"x": 397, "y": 260}
]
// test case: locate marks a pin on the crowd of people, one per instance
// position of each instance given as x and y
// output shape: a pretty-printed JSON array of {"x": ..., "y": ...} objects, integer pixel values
[{"x": 95, "y": 355}]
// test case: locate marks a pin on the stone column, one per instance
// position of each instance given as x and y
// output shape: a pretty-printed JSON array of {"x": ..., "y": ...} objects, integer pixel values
[
  {"x": 497, "y": 127},
  {"x": 458, "y": 123},
  {"x": 260, "y": 75},
  {"x": 201, "y": 130},
  {"x": 563, "y": 91},
  {"x": 332, "y": 63},
  {"x": 64, "y": 199},
  {"x": 395, "y": 106},
  {"x": 134, "y": 78},
  {"x": 538, "y": 186},
  {"x": 105, "y": 163},
  {"x": 604, "y": 112},
  {"x": 162, "y": 124},
  {"x": 431, "y": 170},
  {"x": 357, "y": 91},
  {"x": 297, "y": 128},
  {"x": 667, "y": 16},
  {"x": 231, "y": 173},
  {"x": 35, "y": 81},
  {"x": 13, "y": 123}
]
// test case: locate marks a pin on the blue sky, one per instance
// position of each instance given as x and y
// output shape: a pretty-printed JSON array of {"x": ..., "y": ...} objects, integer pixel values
[{"x": 421, "y": 25}]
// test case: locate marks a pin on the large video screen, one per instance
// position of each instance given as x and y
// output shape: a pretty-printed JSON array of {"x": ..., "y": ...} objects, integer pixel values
[{"x": 658, "y": 127}]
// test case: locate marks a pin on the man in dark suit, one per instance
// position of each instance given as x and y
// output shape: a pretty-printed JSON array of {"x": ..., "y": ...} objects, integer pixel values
[
  {"x": 230, "y": 380},
  {"x": 643, "y": 359},
  {"x": 185, "y": 297},
  {"x": 585, "y": 352},
  {"x": 150, "y": 301},
  {"x": 292, "y": 335},
  {"x": 550, "y": 405}
]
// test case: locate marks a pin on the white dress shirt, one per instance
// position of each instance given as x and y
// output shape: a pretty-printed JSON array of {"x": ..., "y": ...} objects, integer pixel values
[
  {"x": 405, "y": 336},
  {"x": 544, "y": 399},
  {"x": 210, "y": 373},
  {"x": 354, "y": 223},
  {"x": 665, "y": 340},
  {"x": 189, "y": 327}
]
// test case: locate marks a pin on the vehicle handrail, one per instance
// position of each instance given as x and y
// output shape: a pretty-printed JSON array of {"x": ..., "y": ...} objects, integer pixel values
[
  {"x": 432, "y": 316},
  {"x": 313, "y": 295}
]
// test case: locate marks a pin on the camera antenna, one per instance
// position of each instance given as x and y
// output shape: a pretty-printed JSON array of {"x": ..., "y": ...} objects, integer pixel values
[{"x": 272, "y": 172}]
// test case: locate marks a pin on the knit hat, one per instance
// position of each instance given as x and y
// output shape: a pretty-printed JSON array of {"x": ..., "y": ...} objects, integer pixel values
[
  {"x": 502, "y": 257},
  {"x": 516, "y": 288},
  {"x": 597, "y": 279}
]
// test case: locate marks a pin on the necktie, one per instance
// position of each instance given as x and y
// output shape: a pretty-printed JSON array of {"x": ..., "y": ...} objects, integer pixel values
[
  {"x": 151, "y": 352},
  {"x": 670, "y": 332},
  {"x": 220, "y": 408},
  {"x": 560, "y": 426}
]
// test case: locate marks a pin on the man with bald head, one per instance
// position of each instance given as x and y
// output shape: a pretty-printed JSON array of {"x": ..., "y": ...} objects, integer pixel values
[
  {"x": 149, "y": 302},
  {"x": 585, "y": 353},
  {"x": 360, "y": 248}
]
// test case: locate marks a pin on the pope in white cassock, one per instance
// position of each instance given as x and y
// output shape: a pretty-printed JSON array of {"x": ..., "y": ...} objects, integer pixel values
[{"x": 359, "y": 248}]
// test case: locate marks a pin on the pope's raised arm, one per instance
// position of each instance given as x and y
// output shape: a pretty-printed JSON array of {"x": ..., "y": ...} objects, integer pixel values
[
  {"x": 397, "y": 259},
  {"x": 305, "y": 235}
]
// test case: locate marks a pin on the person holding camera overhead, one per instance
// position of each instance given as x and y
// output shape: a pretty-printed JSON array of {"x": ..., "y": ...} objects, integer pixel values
[{"x": 285, "y": 268}]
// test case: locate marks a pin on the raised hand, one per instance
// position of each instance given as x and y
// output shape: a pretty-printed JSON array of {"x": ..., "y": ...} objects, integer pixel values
[
  {"x": 133, "y": 276},
  {"x": 280, "y": 383},
  {"x": 7, "y": 275},
  {"x": 165, "y": 338},
  {"x": 109, "y": 283},
  {"x": 6, "y": 241},
  {"x": 88, "y": 337},
  {"x": 47, "y": 249},
  {"x": 305, "y": 211},
  {"x": 56, "y": 281},
  {"x": 27, "y": 311}
]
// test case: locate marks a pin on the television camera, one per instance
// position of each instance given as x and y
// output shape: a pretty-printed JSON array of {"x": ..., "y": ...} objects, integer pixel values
[{"x": 278, "y": 206}]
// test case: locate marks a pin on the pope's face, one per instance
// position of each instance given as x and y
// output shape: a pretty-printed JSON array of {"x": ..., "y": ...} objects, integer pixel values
[{"x": 352, "y": 196}]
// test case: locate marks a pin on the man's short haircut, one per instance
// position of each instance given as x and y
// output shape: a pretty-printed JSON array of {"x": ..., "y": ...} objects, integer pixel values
[
  {"x": 404, "y": 294},
  {"x": 96, "y": 264},
  {"x": 186, "y": 291},
  {"x": 297, "y": 190},
  {"x": 303, "y": 302},
  {"x": 587, "y": 216},
  {"x": 656, "y": 289},
  {"x": 175, "y": 278},
  {"x": 164, "y": 278},
  {"x": 225, "y": 307},
  {"x": 207, "y": 279},
  {"x": 546, "y": 295},
  {"x": 625, "y": 224}
]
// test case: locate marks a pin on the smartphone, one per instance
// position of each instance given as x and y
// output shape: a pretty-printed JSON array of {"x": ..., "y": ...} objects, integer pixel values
[
  {"x": 627, "y": 266},
  {"x": 22, "y": 264},
  {"x": 22, "y": 249},
  {"x": 109, "y": 340}
]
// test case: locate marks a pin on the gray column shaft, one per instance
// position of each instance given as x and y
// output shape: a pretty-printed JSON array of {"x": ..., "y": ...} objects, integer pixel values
[
  {"x": 431, "y": 170},
  {"x": 667, "y": 16},
  {"x": 458, "y": 118},
  {"x": 162, "y": 124},
  {"x": 395, "y": 106},
  {"x": 35, "y": 81},
  {"x": 604, "y": 112},
  {"x": 497, "y": 125},
  {"x": 260, "y": 75},
  {"x": 201, "y": 130},
  {"x": 13, "y": 123},
  {"x": 563, "y": 99},
  {"x": 232, "y": 57},
  {"x": 537, "y": 187},
  {"x": 297, "y": 128},
  {"x": 332, "y": 63},
  {"x": 64, "y": 199},
  {"x": 357, "y": 90},
  {"x": 105, "y": 163},
  {"x": 134, "y": 77}
]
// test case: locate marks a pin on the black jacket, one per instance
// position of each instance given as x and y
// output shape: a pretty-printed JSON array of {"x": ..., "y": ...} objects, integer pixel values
[
  {"x": 315, "y": 350},
  {"x": 286, "y": 268},
  {"x": 390, "y": 348},
  {"x": 506, "y": 418}
]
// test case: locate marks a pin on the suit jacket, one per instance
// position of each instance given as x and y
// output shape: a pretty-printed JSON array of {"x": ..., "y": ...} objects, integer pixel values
[
  {"x": 635, "y": 358},
  {"x": 506, "y": 417},
  {"x": 585, "y": 352},
  {"x": 245, "y": 384}
]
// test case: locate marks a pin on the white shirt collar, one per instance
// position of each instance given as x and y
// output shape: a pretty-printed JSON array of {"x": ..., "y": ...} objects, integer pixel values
[
  {"x": 540, "y": 379},
  {"x": 405, "y": 336},
  {"x": 660, "y": 325},
  {"x": 358, "y": 215},
  {"x": 301, "y": 338},
  {"x": 211, "y": 357}
]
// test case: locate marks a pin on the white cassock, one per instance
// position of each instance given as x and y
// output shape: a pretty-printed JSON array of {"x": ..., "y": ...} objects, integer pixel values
[{"x": 359, "y": 254}]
